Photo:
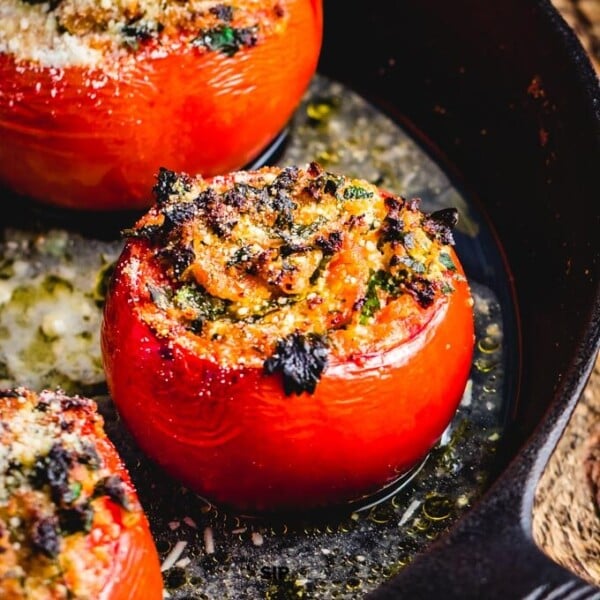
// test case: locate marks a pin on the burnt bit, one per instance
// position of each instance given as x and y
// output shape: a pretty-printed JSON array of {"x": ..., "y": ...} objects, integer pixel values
[
  {"x": 288, "y": 249},
  {"x": 219, "y": 217},
  {"x": 66, "y": 425},
  {"x": 313, "y": 189},
  {"x": 239, "y": 196},
  {"x": 53, "y": 470},
  {"x": 314, "y": 169},
  {"x": 223, "y": 12},
  {"x": 440, "y": 225},
  {"x": 301, "y": 360},
  {"x": 395, "y": 260},
  {"x": 178, "y": 213},
  {"x": 331, "y": 184},
  {"x": 89, "y": 456},
  {"x": 53, "y": 4},
  {"x": 45, "y": 536},
  {"x": 42, "y": 405},
  {"x": 284, "y": 207},
  {"x": 330, "y": 244},
  {"x": 319, "y": 182},
  {"x": 175, "y": 578},
  {"x": 165, "y": 180},
  {"x": 76, "y": 518},
  {"x": 113, "y": 487},
  {"x": 179, "y": 258},
  {"x": 422, "y": 290},
  {"x": 414, "y": 204},
  {"x": 280, "y": 197},
  {"x": 9, "y": 394},
  {"x": 286, "y": 180},
  {"x": 137, "y": 32},
  {"x": 323, "y": 182},
  {"x": 148, "y": 232},
  {"x": 75, "y": 403},
  {"x": 392, "y": 228},
  {"x": 279, "y": 11},
  {"x": 355, "y": 221}
]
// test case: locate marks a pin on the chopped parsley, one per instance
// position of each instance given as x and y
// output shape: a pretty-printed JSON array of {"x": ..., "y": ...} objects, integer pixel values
[
  {"x": 356, "y": 192},
  {"x": 226, "y": 39},
  {"x": 204, "y": 306},
  {"x": 379, "y": 280},
  {"x": 446, "y": 260}
]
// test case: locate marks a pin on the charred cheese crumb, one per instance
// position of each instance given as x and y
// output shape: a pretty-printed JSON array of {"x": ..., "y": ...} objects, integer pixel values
[
  {"x": 64, "y": 33},
  {"x": 54, "y": 489},
  {"x": 245, "y": 263}
]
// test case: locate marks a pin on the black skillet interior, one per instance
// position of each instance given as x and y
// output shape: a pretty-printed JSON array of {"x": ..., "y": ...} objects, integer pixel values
[{"x": 508, "y": 97}]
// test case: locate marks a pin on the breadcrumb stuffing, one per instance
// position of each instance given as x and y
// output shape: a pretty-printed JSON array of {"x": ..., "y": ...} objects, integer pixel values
[
  {"x": 58, "y": 498},
  {"x": 94, "y": 34},
  {"x": 255, "y": 266}
]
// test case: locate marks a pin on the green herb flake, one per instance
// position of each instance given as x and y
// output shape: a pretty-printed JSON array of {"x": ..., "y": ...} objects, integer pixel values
[
  {"x": 418, "y": 267},
  {"x": 226, "y": 39},
  {"x": 379, "y": 280},
  {"x": 75, "y": 490},
  {"x": 205, "y": 306},
  {"x": 356, "y": 192},
  {"x": 446, "y": 260},
  {"x": 306, "y": 230},
  {"x": 320, "y": 270}
]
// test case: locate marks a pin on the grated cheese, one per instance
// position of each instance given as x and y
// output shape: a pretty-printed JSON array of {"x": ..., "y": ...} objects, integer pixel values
[{"x": 84, "y": 33}]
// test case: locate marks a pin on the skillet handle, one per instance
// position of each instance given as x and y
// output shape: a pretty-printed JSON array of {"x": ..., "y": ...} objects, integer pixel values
[
  {"x": 490, "y": 554},
  {"x": 470, "y": 564}
]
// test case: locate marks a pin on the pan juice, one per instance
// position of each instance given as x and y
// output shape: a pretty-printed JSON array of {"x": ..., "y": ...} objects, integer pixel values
[{"x": 342, "y": 553}]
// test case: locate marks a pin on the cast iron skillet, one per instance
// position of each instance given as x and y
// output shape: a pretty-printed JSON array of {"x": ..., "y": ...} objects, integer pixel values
[
  {"x": 521, "y": 125},
  {"x": 520, "y": 129}
]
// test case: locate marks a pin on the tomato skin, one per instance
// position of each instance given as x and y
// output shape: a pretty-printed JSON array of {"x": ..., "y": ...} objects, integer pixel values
[
  {"x": 233, "y": 436},
  {"x": 135, "y": 573},
  {"x": 82, "y": 140}
]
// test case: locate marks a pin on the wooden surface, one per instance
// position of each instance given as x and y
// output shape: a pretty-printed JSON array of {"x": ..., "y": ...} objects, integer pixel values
[
  {"x": 584, "y": 18},
  {"x": 566, "y": 521}
]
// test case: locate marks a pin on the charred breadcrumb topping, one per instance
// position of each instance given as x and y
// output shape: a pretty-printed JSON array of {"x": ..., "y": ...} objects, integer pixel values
[
  {"x": 291, "y": 266},
  {"x": 60, "y": 33},
  {"x": 61, "y": 509}
]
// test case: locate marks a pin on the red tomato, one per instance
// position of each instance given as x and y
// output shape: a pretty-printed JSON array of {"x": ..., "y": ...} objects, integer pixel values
[
  {"x": 71, "y": 506},
  {"x": 92, "y": 138},
  {"x": 229, "y": 430}
]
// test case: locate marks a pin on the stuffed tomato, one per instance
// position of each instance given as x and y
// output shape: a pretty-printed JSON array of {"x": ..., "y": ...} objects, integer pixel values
[
  {"x": 71, "y": 525},
  {"x": 95, "y": 96},
  {"x": 286, "y": 338}
]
